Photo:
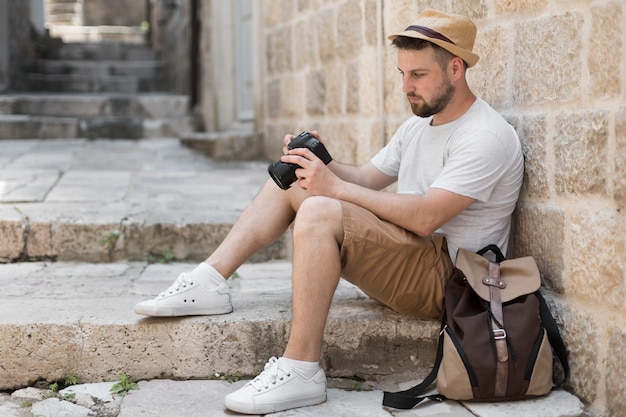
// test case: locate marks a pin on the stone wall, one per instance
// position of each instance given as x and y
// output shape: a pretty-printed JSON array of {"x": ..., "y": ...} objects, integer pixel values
[
  {"x": 170, "y": 36},
  {"x": 114, "y": 12},
  {"x": 556, "y": 70},
  {"x": 17, "y": 42}
]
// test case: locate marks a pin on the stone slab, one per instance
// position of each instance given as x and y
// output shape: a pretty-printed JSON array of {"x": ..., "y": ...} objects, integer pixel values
[
  {"x": 104, "y": 200},
  {"x": 71, "y": 318},
  {"x": 201, "y": 398}
]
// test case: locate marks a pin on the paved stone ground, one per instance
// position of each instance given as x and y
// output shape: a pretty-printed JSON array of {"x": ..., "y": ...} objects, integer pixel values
[{"x": 170, "y": 398}]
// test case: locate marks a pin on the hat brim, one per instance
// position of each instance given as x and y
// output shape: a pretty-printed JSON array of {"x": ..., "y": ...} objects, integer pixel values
[{"x": 470, "y": 58}]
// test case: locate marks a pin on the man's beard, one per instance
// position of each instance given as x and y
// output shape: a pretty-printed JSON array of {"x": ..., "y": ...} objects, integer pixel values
[{"x": 438, "y": 102}]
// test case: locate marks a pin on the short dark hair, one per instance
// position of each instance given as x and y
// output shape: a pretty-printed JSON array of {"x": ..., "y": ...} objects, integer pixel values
[{"x": 407, "y": 43}]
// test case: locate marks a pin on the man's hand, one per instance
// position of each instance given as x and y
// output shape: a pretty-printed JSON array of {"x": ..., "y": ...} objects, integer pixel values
[
  {"x": 313, "y": 175},
  {"x": 289, "y": 137}
]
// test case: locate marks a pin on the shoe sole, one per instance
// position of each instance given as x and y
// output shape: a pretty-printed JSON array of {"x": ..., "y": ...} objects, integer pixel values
[
  {"x": 246, "y": 408},
  {"x": 180, "y": 312}
]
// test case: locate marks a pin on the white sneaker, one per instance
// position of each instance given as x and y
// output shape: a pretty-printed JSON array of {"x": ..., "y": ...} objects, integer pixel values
[
  {"x": 277, "y": 388},
  {"x": 186, "y": 297}
]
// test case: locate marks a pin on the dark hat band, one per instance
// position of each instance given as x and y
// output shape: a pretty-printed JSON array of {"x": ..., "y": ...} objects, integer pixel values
[{"x": 429, "y": 32}]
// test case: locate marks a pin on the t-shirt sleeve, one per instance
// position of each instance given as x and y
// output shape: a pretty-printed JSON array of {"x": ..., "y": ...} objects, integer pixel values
[
  {"x": 474, "y": 164},
  {"x": 388, "y": 159}
]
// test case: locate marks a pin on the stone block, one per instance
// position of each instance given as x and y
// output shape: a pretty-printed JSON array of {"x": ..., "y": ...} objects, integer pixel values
[
  {"x": 516, "y": 6},
  {"x": 342, "y": 138},
  {"x": 581, "y": 152},
  {"x": 615, "y": 381},
  {"x": 336, "y": 85},
  {"x": 395, "y": 102},
  {"x": 271, "y": 17},
  {"x": 273, "y": 101},
  {"x": 303, "y": 5},
  {"x": 32, "y": 185},
  {"x": 539, "y": 230},
  {"x": 326, "y": 39},
  {"x": 544, "y": 72},
  {"x": 287, "y": 10},
  {"x": 491, "y": 78},
  {"x": 369, "y": 87},
  {"x": 273, "y": 138},
  {"x": 73, "y": 230},
  {"x": 370, "y": 140},
  {"x": 619, "y": 156},
  {"x": 168, "y": 105},
  {"x": 350, "y": 36},
  {"x": 278, "y": 54},
  {"x": 370, "y": 21},
  {"x": 225, "y": 146},
  {"x": 596, "y": 255},
  {"x": 353, "y": 87},
  {"x": 13, "y": 230},
  {"x": 304, "y": 44},
  {"x": 535, "y": 140},
  {"x": 58, "y": 105},
  {"x": 605, "y": 42},
  {"x": 294, "y": 98},
  {"x": 315, "y": 93},
  {"x": 474, "y": 9},
  {"x": 585, "y": 338}
]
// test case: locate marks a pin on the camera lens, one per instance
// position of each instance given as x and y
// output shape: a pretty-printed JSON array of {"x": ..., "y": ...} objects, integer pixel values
[{"x": 283, "y": 174}]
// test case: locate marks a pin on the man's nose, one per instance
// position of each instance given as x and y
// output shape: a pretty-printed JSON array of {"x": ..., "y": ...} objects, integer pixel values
[{"x": 407, "y": 86}]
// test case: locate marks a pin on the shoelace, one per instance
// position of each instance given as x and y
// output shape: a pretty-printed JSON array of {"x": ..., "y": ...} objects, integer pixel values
[
  {"x": 182, "y": 281},
  {"x": 270, "y": 375}
]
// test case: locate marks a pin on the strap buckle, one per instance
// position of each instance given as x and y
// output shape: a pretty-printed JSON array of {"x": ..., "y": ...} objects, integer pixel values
[{"x": 499, "y": 334}]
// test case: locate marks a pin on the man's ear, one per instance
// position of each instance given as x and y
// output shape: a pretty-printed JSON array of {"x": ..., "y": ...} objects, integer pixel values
[{"x": 456, "y": 68}]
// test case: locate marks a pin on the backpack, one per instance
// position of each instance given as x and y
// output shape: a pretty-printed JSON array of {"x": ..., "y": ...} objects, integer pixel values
[{"x": 495, "y": 337}]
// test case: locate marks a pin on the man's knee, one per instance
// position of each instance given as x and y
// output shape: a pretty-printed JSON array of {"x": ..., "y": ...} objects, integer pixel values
[{"x": 319, "y": 214}]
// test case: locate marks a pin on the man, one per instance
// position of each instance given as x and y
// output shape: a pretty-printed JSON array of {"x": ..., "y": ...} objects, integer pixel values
[{"x": 458, "y": 167}]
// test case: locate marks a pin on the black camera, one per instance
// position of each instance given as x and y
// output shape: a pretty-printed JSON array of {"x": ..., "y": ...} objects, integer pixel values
[{"x": 283, "y": 173}]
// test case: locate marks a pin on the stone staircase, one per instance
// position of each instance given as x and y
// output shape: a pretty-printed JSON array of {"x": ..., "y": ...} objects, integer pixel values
[
  {"x": 58, "y": 115},
  {"x": 94, "y": 90},
  {"x": 97, "y": 67},
  {"x": 90, "y": 227}
]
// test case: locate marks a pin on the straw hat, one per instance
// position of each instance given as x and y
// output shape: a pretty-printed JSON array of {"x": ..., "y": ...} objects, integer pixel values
[{"x": 452, "y": 32}]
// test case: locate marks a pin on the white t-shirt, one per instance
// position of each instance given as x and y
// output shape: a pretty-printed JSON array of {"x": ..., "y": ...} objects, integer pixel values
[{"x": 478, "y": 155}]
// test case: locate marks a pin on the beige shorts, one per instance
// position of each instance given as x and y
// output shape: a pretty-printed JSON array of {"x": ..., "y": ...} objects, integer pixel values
[{"x": 399, "y": 269}]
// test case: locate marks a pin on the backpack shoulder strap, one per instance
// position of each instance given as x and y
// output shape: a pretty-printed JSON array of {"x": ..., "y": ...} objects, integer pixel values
[
  {"x": 554, "y": 336},
  {"x": 407, "y": 399}
]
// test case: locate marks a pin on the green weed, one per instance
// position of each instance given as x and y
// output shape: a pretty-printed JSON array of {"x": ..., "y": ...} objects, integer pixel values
[{"x": 126, "y": 384}]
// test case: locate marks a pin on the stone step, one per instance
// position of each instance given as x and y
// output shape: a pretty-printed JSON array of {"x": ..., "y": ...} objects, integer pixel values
[
  {"x": 103, "y": 200},
  {"x": 103, "y": 51},
  {"x": 64, "y": 30},
  {"x": 42, "y": 127},
  {"x": 62, "y": 319},
  {"x": 75, "y": 319},
  {"x": 93, "y": 116},
  {"x": 91, "y": 105},
  {"x": 145, "y": 69},
  {"x": 93, "y": 83},
  {"x": 228, "y": 145}
]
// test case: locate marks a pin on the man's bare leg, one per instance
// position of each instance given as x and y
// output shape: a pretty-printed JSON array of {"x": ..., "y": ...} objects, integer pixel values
[
  {"x": 266, "y": 218},
  {"x": 296, "y": 379},
  {"x": 318, "y": 235},
  {"x": 204, "y": 291}
]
